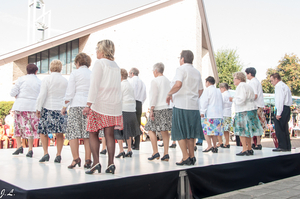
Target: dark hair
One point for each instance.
(83, 59)
(188, 56)
(251, 70)
(31, 68)
(211, 80)
(276, 76)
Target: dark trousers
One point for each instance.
(138, 116)
(282, 129)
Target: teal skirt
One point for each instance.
(247, 124)
(186, 124)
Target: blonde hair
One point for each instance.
(240, 75)
(56, 66)
(124, 73)
(107, 47)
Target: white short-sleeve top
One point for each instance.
(257, 89)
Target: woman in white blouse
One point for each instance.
(131, 127)
(26, 91)
(104, 104)
(160, 119)
(211, 110)
(246, 123)
(76, 98)
(48, 109)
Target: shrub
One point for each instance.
(5, 108)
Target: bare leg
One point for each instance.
(244, 142)
(214, 140)
(226, 135)
(153, 140)
(110, 143)
(44, 139)
(103, 144)
(87, 148)
(166, 138)
(182, 144)
(59, 143)
(24, 142)
(95, 146)
(120, 142)
(248, 141)
(258, 138)
(129, 144)
(191, 145)
(208, 140)
(30, 144)
(19, 142)
(220, 140)
(74, 145)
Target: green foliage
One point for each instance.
(228, 63)
(5, 108)
(266, 84)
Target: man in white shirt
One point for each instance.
(259, 102)
(283, 101)
(140, 97)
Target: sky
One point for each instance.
(262, 31)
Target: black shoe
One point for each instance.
(198, 144)
(122, 154)
(208, 150)
(193, 160)
(125, 147)
(226, 146)
(87, 164)
(173, 146)
(251, 152)
(258, 147)
(111, 169)
(19, 150)
(128, 154)
(243, 153)
(45, 158)
(279, 150)
(253, 145)
(195, 148)
(215, 150)
(57, 159)
(136, 148)
(77, 162)
(29, 154)
(221, 145)
(165, 158)
(103, 152)
(155, 156)
(94, 168)
(185, 162)
(161, 145)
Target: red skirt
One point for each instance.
(97, 121)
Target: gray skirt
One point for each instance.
(76, 127)
(162, 121)
(131, 127)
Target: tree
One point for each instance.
(289, 70)
(228, 63)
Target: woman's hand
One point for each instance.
(63, 110)
(86, 111)
(169, 98)
(202, 115)
(151, 115)
(230, 99)
(38, 114)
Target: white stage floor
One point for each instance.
(29, 174)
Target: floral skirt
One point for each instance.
(97, 121)
(52, 121)
(212, 126)
(76, 127)
(227, 123)
(262, 118)
(247, 124)
(162, 121)
(26, 124)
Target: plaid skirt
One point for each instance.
(97, 121)
(26, 124)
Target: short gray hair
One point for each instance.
(159, 67)
(224, 85)
(240, 75)
(135, 71)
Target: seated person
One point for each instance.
(3, 136)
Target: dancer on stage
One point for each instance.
(104, 104)
(186, 123)
(246, 123)
(26, 91)
(283, 101)
(131, 127)
(160, 119)
(227, 122)
(211, 114)
(48, 109)
(76, 98)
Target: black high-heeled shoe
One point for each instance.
(173, 146)
(19, 150)
(111, 169)
(208, 150)
(226, 146)
(103, 152)
(87, 164)
(94, 168)
(258, 147)
(128, 154)
(155, 156)
(193, 160)
(77, 162)
(215, 150)
(243, 153)
(195, 148)
(57, 159)
(251, 152)
(165, 158)
(184, 162)
(45, 158)
(29, 154)
(122, 154)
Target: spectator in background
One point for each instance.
(9, 120)
(3, 136)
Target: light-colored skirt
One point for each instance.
(247, 124)
(76, 127)
(212, 126)
(26, 124)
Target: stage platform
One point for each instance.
(137, 177)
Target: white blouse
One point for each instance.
(53, 90)
(283, 96)
(244, 98)
(226, 104)
(257, 89)
(128, 101)
(105, 89)
(139, 88)
(78, 87)
(187, 96)
(211, 102)
(26, 90)
(160, 86)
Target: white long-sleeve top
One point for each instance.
(283, 97)
(211, 102)
(160, 86)
(257, 89)
(53, 90)
(226, 104)
(105, 89)
(27, 89)
(188, 94)
(139, 88)
(78, 87)
(128, 100)
(244, 98)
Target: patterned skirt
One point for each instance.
(262, 118)
(97, 121)
(26, 124)
(247, 124)
(76, 127)
(131, 127)
(162, 121)
(212, 126)
(227, 123)
(52, 121)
